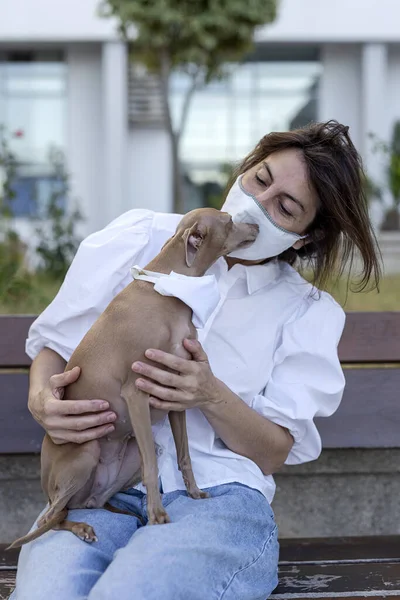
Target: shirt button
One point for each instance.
(159, 450)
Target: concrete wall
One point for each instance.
(342, 71)
(339, 21)
(47, 21)
(84, 130)
(345, 492)
(149, 170)
(299, 20)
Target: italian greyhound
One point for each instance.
(87, 475)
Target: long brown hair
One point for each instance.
(341, 230)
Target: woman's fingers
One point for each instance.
(158, 391)
(160, 375)
(195, 349)
(60, 380)
(81, 422)
(181, 365)
(63, 436)
(54, 407)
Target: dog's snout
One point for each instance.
(254, 229)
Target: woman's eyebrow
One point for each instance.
(292, 198)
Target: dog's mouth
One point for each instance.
(252, 233)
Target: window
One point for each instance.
(227, 118)
(33, 111)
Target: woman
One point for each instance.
(265, 365)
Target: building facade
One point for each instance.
(65, 83)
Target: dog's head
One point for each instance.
(208, 233)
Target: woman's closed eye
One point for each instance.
(260, 181)
(281, 207)
(284, 210)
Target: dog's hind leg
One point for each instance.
(83, 531)
(68, 471)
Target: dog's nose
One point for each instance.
(254, 229)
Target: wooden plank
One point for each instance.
(376, 425)
(13, 333)
(338, 580)
(368, 337)
(340, 548)
(19, 431)
(370, 579)
(371, 337)
(7, 584)
(8, 558)
(369, 414)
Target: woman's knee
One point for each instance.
(60, 565)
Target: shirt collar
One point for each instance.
(257, 276)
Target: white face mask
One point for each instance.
(245, 208)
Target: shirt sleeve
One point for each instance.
(99, 271)
(307, 380)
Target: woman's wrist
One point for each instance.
(221, 397)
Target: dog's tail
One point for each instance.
(52, 522)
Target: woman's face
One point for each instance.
(280, 183)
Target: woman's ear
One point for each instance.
(193, 237)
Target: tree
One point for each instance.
(198, 37)
(391, 150)
(58, 239)
(394, 167)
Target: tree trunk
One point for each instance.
(177, 191)
(177, 180)
(391, 221)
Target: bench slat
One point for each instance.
(20, 433)
(7, 584)
(371, 337)
(372, 580)
(367, 337)
(340, 548)
(369, 414)
(338, 580)
(13, 333)
(377, 425)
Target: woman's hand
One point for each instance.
(192, 385)
(65, 421)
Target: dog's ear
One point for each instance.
(193, 237)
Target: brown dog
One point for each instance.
(87, 475)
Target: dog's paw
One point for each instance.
(157, 516)
(84, 532)
(198, 494)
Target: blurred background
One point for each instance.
(89, 128)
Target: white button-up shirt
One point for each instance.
(272, 340)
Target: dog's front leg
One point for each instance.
(178, 426)
(139, 413)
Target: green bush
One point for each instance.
(57, 232)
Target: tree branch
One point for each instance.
(165, 73)
(188, 99)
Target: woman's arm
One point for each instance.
(64, 420)
(246, 432)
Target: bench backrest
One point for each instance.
(368, 417)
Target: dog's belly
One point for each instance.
(118, 468)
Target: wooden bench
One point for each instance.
(369, 417)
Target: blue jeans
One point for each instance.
(223, 547)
